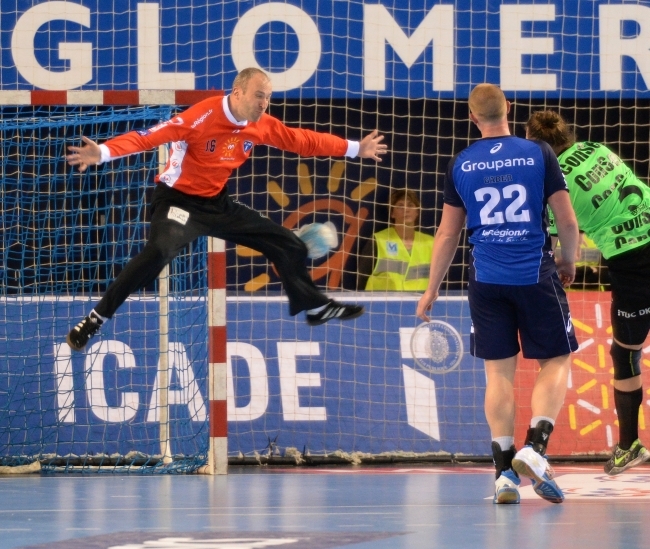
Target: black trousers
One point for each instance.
(177, 219)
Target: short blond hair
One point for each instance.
(487, 103)
(244, 77)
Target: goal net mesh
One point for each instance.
(344, 391)
(65, 236)
(341, 391)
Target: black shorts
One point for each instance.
(177, 219)
(630, 282)
(535, 314)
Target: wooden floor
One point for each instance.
(351, 507)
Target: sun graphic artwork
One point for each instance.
(327, 207)
(587, 422)
(228, 148)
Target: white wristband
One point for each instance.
(105, 154)
(353, 149)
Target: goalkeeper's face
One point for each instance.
(254, 100)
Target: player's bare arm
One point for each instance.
(86, 155)
(567, 231)
(444, 247)
(371, 146)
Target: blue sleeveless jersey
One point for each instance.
(503, 184)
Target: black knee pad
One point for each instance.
(627, 362)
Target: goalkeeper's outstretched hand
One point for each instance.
(371, 146)
(88, 154)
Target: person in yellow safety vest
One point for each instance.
(401, 254)
(591, 272)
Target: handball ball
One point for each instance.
(319, 238)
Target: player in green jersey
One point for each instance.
(613, 209)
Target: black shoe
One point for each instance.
(335, 310)
(82, 332)
(622, 460)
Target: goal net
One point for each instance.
(338, 392)
(356, 391)
(341, 392)
(65, 237)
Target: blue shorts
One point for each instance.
(535, 314)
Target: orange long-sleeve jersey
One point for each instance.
(208, 143)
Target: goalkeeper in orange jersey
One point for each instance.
(208, 141)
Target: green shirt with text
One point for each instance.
(611, 204)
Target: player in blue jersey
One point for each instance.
(500, 187)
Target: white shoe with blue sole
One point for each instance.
(506, 487)
(529, 463)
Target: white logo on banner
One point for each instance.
(419, 391)
(191, 543)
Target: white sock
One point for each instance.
(504, 442)
(317, 309)
(537, 419)
(100, 317)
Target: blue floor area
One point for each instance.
(347, 507)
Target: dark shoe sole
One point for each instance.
(72, 345)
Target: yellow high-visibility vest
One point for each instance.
(589, 253)
(397, 269)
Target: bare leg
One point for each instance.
(550, 386)
(547, 400)
(500, 396)
(500, 413)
